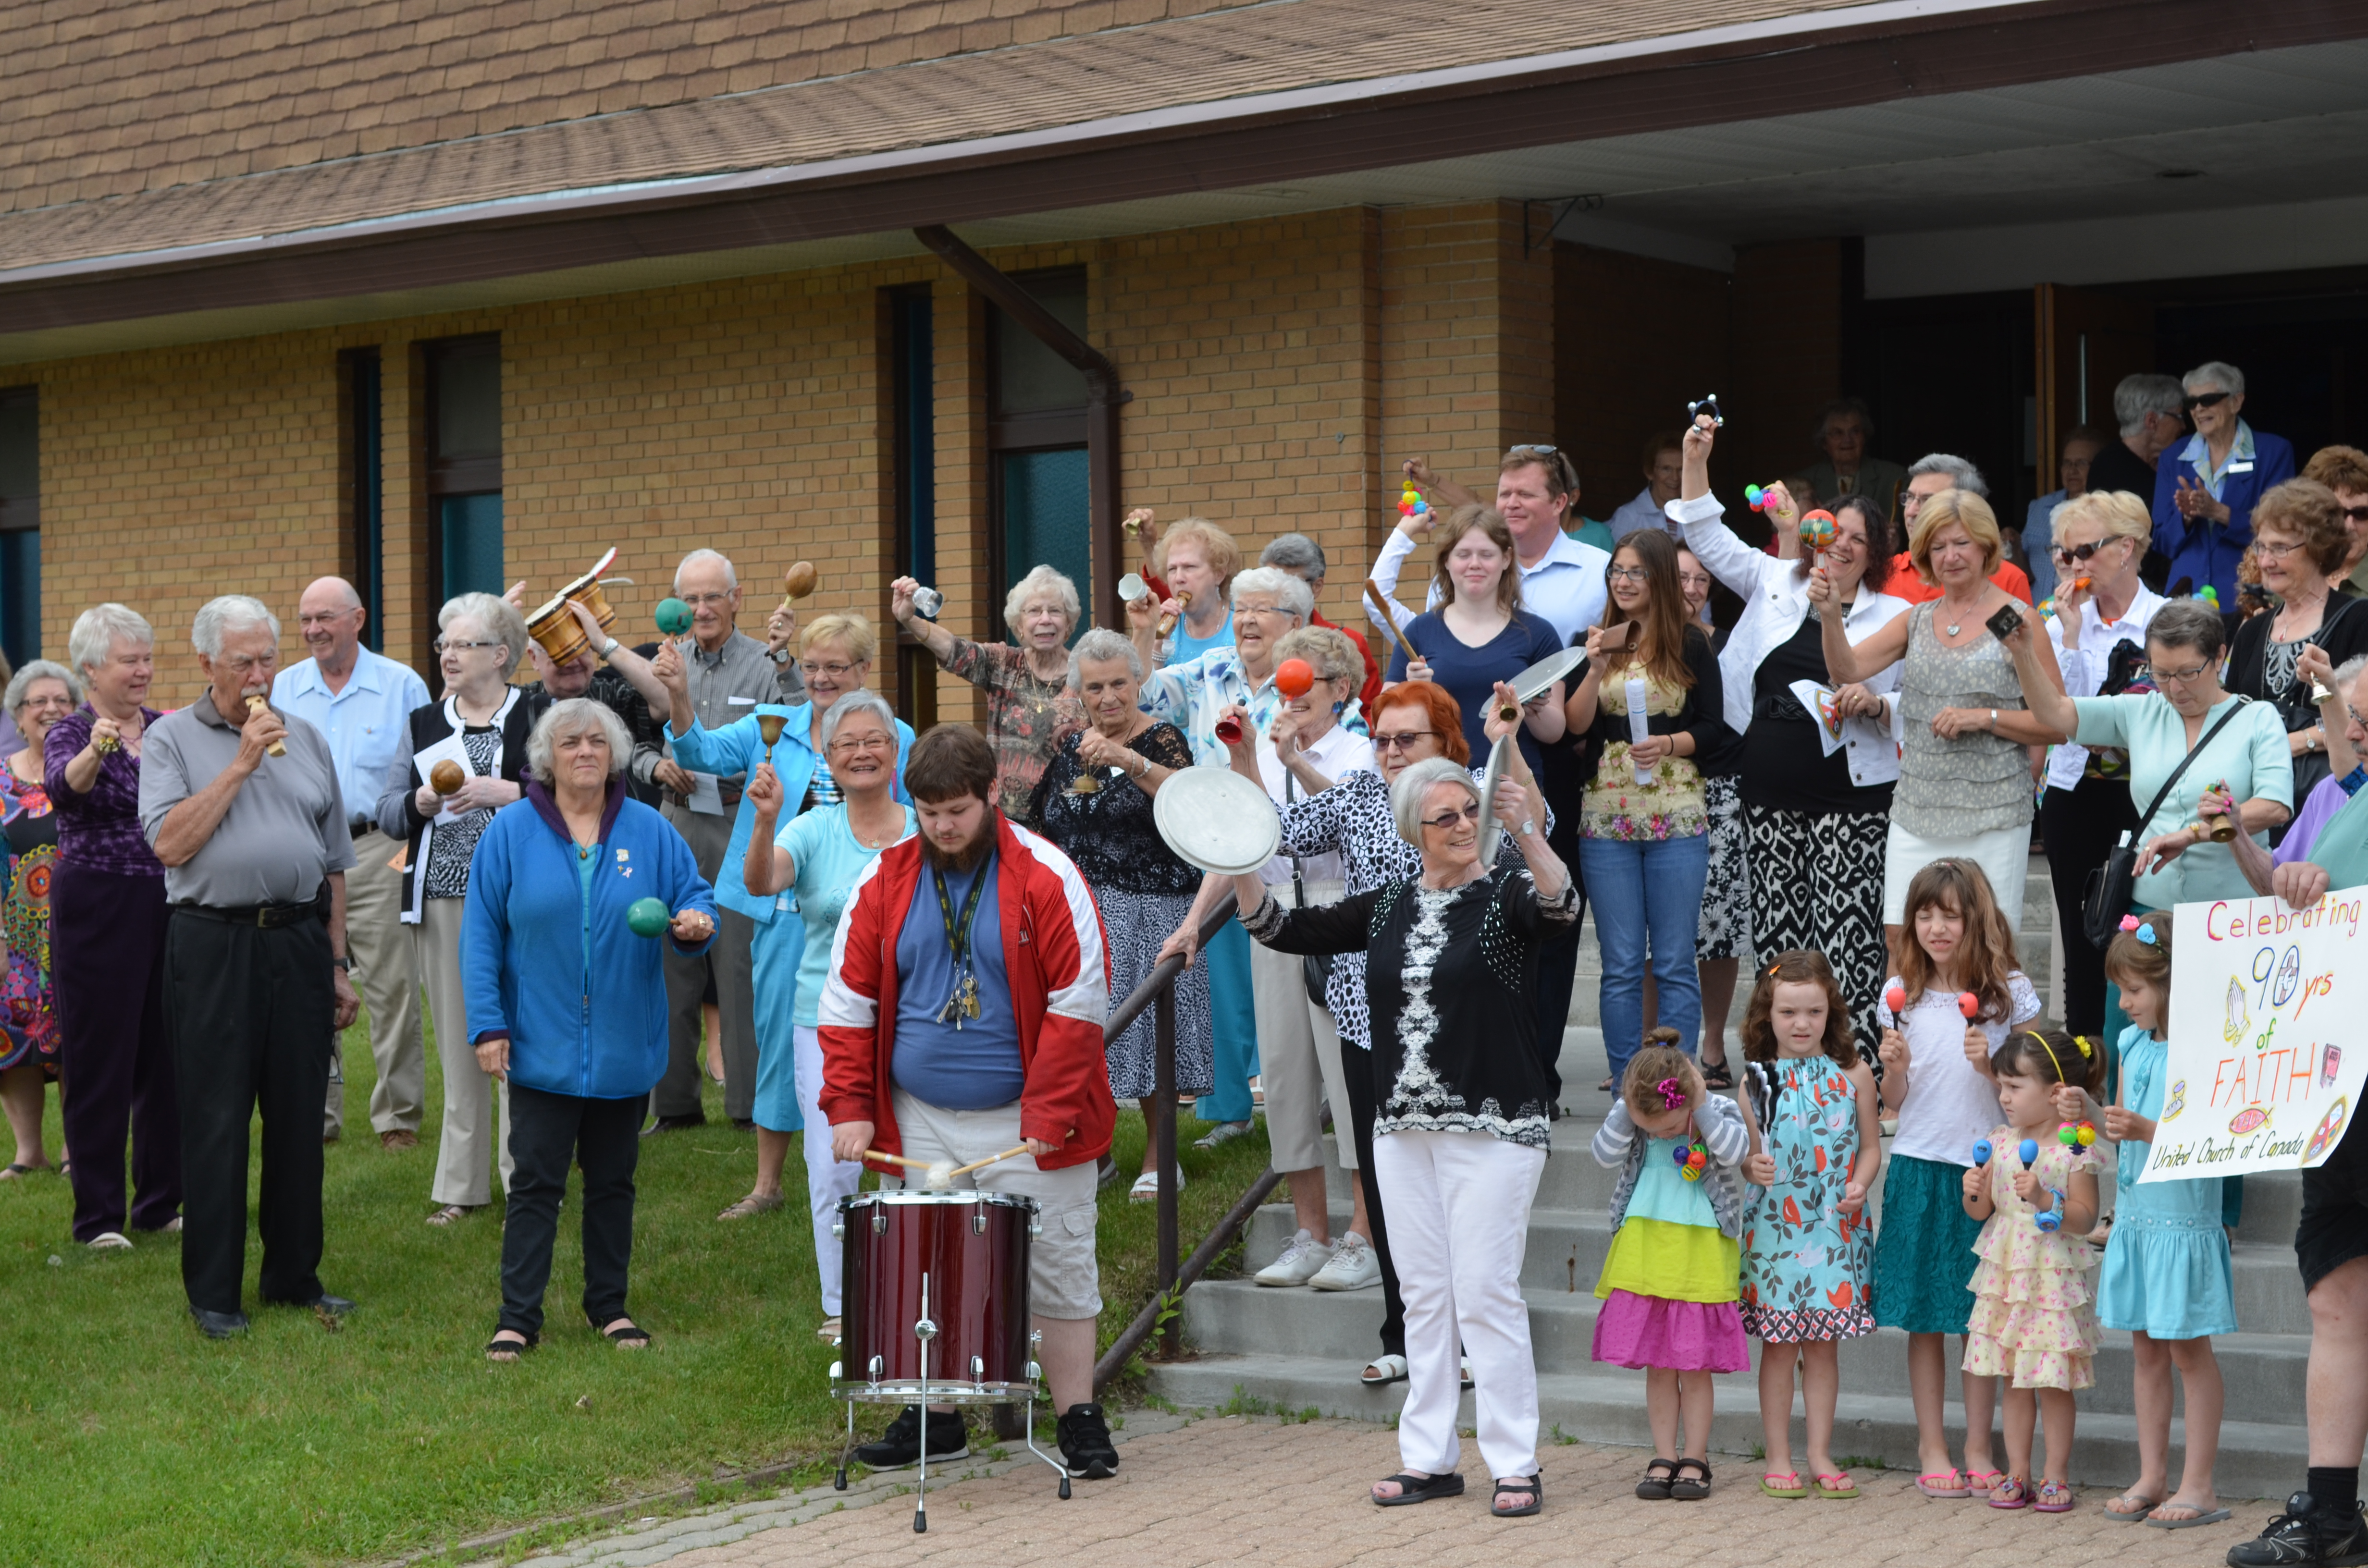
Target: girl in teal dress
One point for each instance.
(2166, 1277)
(1809, 1247)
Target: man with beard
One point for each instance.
(256, 850)
(968, 986)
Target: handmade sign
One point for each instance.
(2268, 1013)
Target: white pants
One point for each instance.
(1063, 1273)
(2003, 854)
(828, 1181)
(1458, 1208)
(1299, 1051)
(476, 1105)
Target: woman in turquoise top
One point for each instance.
(2166, 1277)
(812, 867)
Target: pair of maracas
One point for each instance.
(1292, 677)
(1894, 997)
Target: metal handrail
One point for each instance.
(1158, 992)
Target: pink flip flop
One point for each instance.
(1982, 1483)
(1943, 1483)
(2054, 1498)
(2009, 1493)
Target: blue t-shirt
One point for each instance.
(1186, 646)
(976, 1066)
(828, 859)
(1469, 675)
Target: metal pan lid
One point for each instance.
(1539, 678)
(1215, 819)
(1500, 762)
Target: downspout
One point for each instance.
(1103, 395)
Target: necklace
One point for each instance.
(1953, 630)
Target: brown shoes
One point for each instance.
(398, 1139)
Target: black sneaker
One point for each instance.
(1085, 1443)
(899, 1447)
(2306, 1536)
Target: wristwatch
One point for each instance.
(609, 649)
(779, 655)
(346, 964)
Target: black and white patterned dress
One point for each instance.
(454, 843)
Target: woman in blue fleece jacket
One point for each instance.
(569, 1006)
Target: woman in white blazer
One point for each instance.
(1818, 762)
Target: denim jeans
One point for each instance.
(1647, 899)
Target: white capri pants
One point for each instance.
(1299, 1050)
(474, 1136)
(1458, 1208)
(2003, 854)
(828, 1181)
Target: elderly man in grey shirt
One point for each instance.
(256, 850)
(729, 672)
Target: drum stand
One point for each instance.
(925, 1329)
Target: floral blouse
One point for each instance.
(1026, 716)
(1614, 805)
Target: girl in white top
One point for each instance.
(1957, 995)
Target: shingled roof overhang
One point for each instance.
(1782, 60)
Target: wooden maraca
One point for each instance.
(447, 777)
(1183, 602)
(798, 582)
(258, 703)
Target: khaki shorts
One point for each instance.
(1063, 1277)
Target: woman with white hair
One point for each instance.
(39, 696)
(1029, 705)
(2205, 490)
(107, 941)
(1094, 804)
(480, 731)
(566, 1002)
(1461, 1133)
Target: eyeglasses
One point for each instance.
(1260, 611)
(1404, 741)
(707, 601)
(2203, 400)
(459, 645)
(2082, 552)
(1627, 574)
(2181, 676)
(852, 744)
(1693, 579)
(1525, 450)
(2268, 552)
(2355, 514)
(1449, 819)
(835, 670)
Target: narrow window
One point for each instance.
(464, 467)
(912, 390)
(365, 518)
(1036, 440)
(20, 523)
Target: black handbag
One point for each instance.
(2113, 885)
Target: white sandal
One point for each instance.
(1146, 1187)
(1392, 1368)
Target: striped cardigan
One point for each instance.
(1724, 1138)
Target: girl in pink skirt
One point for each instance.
(1669, 1283)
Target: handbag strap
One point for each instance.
(1298, 887)
(2168, 784)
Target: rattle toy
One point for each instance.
(1691, 1159)
(1294, 678)
(2209, 594)
(1817, 532)
(2076, 1134)
(647, 917)
(1757, 498)
(1708, 403)
(674, 617)
(1969, 1003)
(447, 777)
(1411, 503)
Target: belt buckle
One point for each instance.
(263, 917)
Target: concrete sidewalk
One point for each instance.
(1230, 1489)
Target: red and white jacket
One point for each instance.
(1056, 963)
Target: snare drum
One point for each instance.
(955, 1261)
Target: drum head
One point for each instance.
(1215, 819)
(1540, 677)
(590, 577)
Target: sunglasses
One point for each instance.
(2203, 400)
(1404, 741)
(2355, 514)
(2080, 554)
(1449, 819)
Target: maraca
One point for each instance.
(1183, 601)
(648, 916)
(769, 728)
(674, 617)
(1818, 532)
(1981, 1152)
(799, 580)
(258, 703)
(2029, 1150)
(447, 777)
(1894, 997)
(1969, 1005)
(1294, 679)
(1756, 498)
(1692, 1161)
(2076, 1134)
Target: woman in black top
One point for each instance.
(1094, 802)
(1461, 1133)
(2299, 539)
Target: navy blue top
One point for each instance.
(1469, 675)
(975, 1067)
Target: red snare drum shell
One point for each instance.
(971, 1247)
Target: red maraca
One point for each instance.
(1818, 532)
(1969, 1005)
(1294, 679)
(1894, 997)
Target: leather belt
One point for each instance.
(263, 916)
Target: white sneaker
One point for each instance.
(1300, 1262)
(1354, 1266)
(116, 1241)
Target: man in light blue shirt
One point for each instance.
(362, 703)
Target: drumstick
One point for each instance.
(895, 1160)
(1389, 623)
(991, 1159)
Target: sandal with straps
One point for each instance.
(1415, 1489)
(1659, 1473)
(1684, 1488)
(504, 1351)
(626, 1335)
(1514, 1488)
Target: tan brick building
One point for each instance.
(445, 295)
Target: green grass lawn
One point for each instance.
(131, 1439)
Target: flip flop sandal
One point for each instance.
(2209, 1517)
(2145, 1505)
(501, 1352)
(1846, 1493)
(1392, 1368)
(452, 1213)
(1659, 1473)
(1415, 1489)
(18, 1173)
(1982, 1483)
(2009, 1493)
(1515, 1487)
(1686, 1490)
(2052, 1499)
(1792, 1490)
(1943, 1483)
(829, 1332)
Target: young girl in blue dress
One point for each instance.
(1808, 1249)
(2166, 1277)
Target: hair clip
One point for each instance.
(2082, 1042)
(2145, 933)
(1774, 967)
(2129, 922)
(1673, 1094)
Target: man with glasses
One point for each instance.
(2204, 493)
(361, 703)
(1927, 477)
(617, 677)
(2344, 469)
(256, 853)
(727, 672)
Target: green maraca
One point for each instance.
(648, 916)
(674, 617)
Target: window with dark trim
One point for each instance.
(1037, 493)
(20, 523)
(912, 394)
(464, 467)
(365, 516)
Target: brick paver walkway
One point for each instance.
(1293, 1496)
